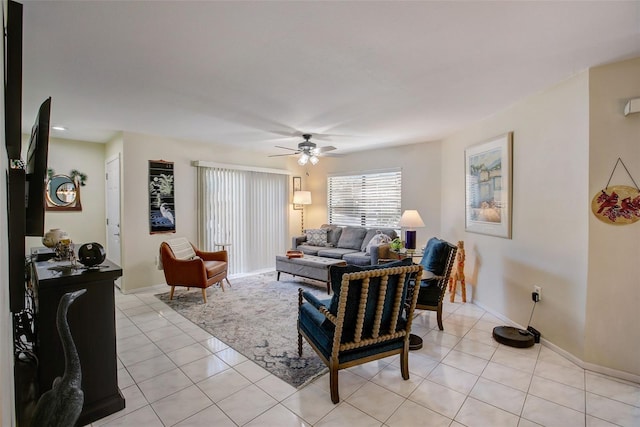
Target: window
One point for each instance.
(368, 199)
(244, 208)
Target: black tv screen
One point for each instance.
(36, 171)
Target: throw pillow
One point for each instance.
(435, 256)
(316, 236)
(181, 248)
(377, 240)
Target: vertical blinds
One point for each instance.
(368, 199)
(246, 209)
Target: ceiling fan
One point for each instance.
(308, 151)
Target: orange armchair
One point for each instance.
(184, 265)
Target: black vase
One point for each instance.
(91, 254)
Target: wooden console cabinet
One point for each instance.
(92, 322)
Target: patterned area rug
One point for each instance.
(256, 316)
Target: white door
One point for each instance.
(113, 211)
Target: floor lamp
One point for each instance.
(411, 220)
(302, 198)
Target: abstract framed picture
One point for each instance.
(297, 186)
(162, 217)
(488, 178)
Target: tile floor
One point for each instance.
(171, 372)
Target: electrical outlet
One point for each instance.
(538, 290)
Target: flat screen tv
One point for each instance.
(36, 171)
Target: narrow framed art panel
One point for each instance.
(297, 186)
(488, 192)
(162, 217)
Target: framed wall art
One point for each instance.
(488, 178)
(162, 217)
(297, 186)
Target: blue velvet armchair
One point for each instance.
(368, 318)
(437, 261)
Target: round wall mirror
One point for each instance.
(62, 192)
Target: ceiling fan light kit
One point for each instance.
(309, 151)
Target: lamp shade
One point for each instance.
(302, 198)
(411, 219)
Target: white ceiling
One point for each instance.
(357, 75)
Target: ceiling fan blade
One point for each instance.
(287, 148)
(280, 155)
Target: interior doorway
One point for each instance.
(114, 249)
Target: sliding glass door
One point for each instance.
(246, 211)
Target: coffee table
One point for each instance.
(309, 266)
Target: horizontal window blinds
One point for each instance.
(369, 199)
(245, 209)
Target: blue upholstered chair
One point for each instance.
(437, 261)
(368, 317)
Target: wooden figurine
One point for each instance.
(458, 274)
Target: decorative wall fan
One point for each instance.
(309, 151)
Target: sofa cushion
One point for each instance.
(351, 238)
(309, 249)
(357, 258)
(333, 234)
(316, 236)
(337, 253)
(435, 256)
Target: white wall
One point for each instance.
(550, 241)
(87, 225)
(140, 247)
(612, 332)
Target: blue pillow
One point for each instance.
(435, 256)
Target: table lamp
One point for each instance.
(302, 198)
(411, 220)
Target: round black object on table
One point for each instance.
(91, 254)
(513, 337)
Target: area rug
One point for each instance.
(256, 316)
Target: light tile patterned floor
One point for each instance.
(171, 372)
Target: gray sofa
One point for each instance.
(347, 243)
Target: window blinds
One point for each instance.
(368, 199)
(246, 209)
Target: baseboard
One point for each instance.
(159, 287)
(592, 366)
(626, 376)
